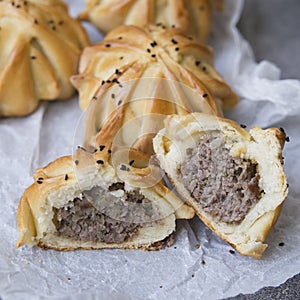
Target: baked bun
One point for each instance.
(233, 178)
(82, 203)
(135, 77)
(40, 45)
(130, 53)
(194, 17)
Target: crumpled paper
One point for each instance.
(182, 271)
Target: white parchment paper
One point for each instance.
(176, 272)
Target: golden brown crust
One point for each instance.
(194, 17)
(40, 49)
(264, 147)
(25, 223)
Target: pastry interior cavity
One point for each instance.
(226, 187)
(99, 215)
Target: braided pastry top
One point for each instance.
(40, 45)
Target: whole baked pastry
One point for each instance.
(194, 17)
(134, 63)
(40, 45)
(233, 178)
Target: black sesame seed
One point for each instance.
(103, 82)
(148, 50)
(153, 44)
(120, 38)
(95, 98)
(33, 57)
(121, 57)
(153, 55)
(243, 125)
(18, 6)
(203, 262)
(282, 130)
(174, 41)
(287, 139)
(117, 72)
(123, 168)
(119, 102)
(177, 49)
(100, 162)
(173, 26)
(36, 21)
(109, 151)
(66, 177)
(101, 147)
(61, 22)
(39, 181)
(231, 251)
(25, 2)
(163, 27)
(40, 178)
(76, 162)
(107, 45)
(131, 162)
(205, 95)
(204, 68)
(197, 62)
(81, 148)
(281, 244)
(287, 185)
(113, 96)
(13, 3)
(108, 81)
(120, 85)
(158, 24)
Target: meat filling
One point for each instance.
(85, 220)
(225, 186)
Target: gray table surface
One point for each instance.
(273, 29)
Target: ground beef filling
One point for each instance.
(225, 186)
(82, 221)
